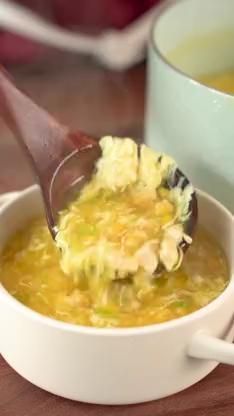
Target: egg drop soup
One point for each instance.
(117, 260)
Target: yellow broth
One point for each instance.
(223, 82)
(30, 271)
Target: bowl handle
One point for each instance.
(208, 347)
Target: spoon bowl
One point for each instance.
(69, 177)
(181, 181)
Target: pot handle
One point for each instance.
(208, 347)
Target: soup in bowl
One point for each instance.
(31, 272)
(108, 364)
(118, 258)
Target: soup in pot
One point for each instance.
(223, 81)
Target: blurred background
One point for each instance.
(77, 89)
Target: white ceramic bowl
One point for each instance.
(116, 366)
(189, 121)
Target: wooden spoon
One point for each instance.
(62, 160)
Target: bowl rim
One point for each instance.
(29, 313)
(160, 10)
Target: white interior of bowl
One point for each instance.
(215, 217)
(196, 36)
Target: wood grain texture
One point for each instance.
(98, 101)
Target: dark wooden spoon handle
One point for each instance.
(46, 142)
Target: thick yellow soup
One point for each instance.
(30, 270)
(117, 259)
(223, 81)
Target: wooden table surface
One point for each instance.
(98, 101)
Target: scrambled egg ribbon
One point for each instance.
(89, 249)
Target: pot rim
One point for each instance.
(7, 298)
